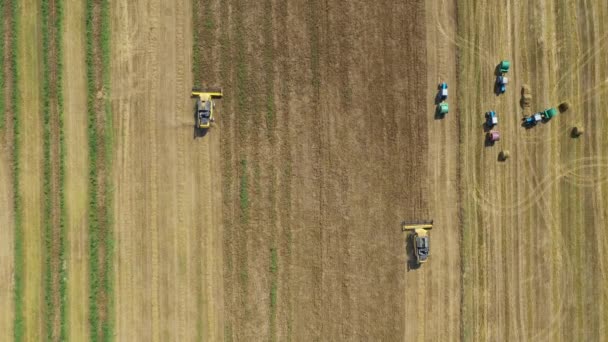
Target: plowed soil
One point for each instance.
(328, 143)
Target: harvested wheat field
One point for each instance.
(119, 220)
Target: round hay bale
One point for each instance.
(504, 155)
(578, 131)
(525, 89)
(564, 106)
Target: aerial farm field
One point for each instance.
(282, 222)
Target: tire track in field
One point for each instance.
(561, 172)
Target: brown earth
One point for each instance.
(534, 243)
(76, 176)
(168, 228)
(326, 105)
(31, 175)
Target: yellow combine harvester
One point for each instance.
(420, 238)
(205, 106)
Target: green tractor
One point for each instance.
(549, 113)
(504, 66)
(442, 109)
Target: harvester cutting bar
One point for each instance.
(412, 225)
(213, 92)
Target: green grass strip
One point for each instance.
(108, 323)
(63, 271)
(19, 325)
(46, 182)
(244, 193)
(93, 200)
(2, 114)
(97, 266)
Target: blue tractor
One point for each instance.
(533, 119)
(501, 78)
(443, 91)
(491, 119)
(501, 83)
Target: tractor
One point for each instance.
(491, 119)
(205, 106)
(501, 79)
(532, 120)
(442, 109)
(420, 239)
(547, 114)
(443, 91)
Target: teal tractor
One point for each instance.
(501, 79)
(535, 118)
(549, 113)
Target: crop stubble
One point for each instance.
(168, 216)
(533, 226)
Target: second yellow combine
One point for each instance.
(205, 106)
(420, 239)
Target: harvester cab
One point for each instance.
(205, 106)
(420, 239)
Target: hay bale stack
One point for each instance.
(526, 96)
(564, 106)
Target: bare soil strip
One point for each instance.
(30, 175)
(76, 173)
(7, 218)
(340, 191)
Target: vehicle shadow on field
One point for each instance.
(409, 253)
